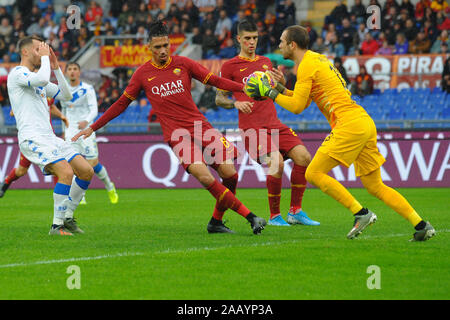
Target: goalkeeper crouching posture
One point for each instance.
(353, 138)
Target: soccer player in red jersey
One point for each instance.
(166, 81)
(258, 117)
(24, 163)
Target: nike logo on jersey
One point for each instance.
(243, 69)
(150, 79)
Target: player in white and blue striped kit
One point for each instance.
(81, 111)
(28, 91)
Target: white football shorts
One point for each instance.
(45, 150)
(87, 147)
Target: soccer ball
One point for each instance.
(258, 75)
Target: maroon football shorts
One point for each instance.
(210, 148)
(260, 142)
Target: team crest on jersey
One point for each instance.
(177, 71)
(78, 94)
(265, 66)
(40, 91)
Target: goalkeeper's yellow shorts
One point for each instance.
(354, 141)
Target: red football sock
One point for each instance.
(226, 199)
(298, 186)
(274, 194)
(231, 184)
(11, 176)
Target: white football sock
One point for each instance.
(60, 202)
(103, 175)
(77, 191)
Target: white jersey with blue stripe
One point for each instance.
(82, 107)
(29, 102)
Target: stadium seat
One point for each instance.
(446, 113)
(431, 114)
(377, 114)
(410, 111)
(9, 121)
(438, 100)
(390, 91)
(406, 90)
(436, 90)
(395, 114)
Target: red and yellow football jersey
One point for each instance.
(168, 89)
(264, 114)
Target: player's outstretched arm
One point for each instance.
(223, 101)
(298, 101)
(84, 133)
(116, 108)
(62, 90)
(203, 75)
(130, 94)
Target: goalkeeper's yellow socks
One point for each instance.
(316, 174)
(335, 190)
(375, 186)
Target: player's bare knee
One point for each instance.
(226, 170)
(307, 159)
(276, 169)
(64, 174)
(303, 159)
(93, 162)
(205, 180)
(21, 171)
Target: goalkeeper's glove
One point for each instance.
(280, 88)
(261, 88)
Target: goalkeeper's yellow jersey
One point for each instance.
(319, 81)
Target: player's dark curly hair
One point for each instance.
(246, 25)
(157, 29)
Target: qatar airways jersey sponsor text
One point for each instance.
(168, 88)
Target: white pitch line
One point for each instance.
(106, 256)
(192, 249)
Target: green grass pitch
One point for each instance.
(154, 245)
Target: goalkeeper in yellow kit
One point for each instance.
(353, 138)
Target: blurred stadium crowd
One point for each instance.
(405, 28)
